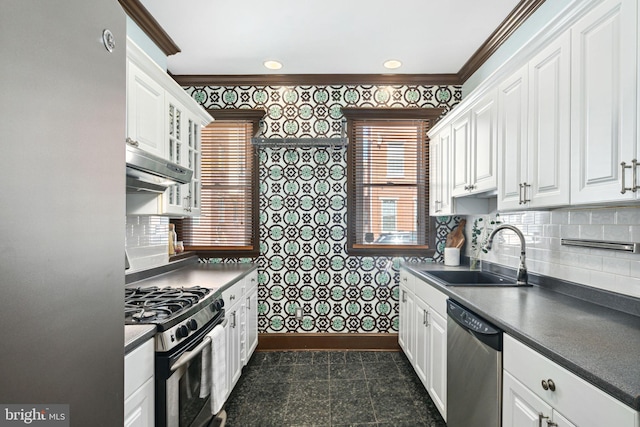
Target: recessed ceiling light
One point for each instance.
(392, 64)
(272, 65)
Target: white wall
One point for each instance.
(605, 269)
(146, 44)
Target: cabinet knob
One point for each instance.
(548, 385)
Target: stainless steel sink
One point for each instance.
(470, 278)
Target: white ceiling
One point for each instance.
(326, 36)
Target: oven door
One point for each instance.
(187, 401)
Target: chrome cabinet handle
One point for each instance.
(541, 417)
(248, 303)
(520, 185)
(132, 142)
(404, 296)
(233, 316)
(634, 175)
(425, 320)
(524, 199)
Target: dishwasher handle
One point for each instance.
(482, 330)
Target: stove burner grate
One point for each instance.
(145, 305)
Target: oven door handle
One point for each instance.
(186, 358)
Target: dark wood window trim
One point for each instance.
(253, 115)
(354, 114)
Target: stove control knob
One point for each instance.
(217, 305)
(182, 332)
(192, 324)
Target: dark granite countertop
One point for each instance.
(135, 335)
(216, 277)
(599, 344)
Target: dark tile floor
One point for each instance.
(320, 388)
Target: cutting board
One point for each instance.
(455, 239)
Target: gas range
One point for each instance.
(177, 312)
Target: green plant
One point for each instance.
(480, 234)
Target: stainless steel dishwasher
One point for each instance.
(474, 369)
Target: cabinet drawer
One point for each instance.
(233, 294)
(407, 280)
(574, 398)
(138, 367)
(436, 299)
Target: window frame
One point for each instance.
(254, 116)
(430, 115)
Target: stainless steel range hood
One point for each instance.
(147, 172)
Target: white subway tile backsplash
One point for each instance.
(560, 217)
(579, 217)
(617, 233)
(570, 231)
(146, 241)
(628, 286)
(605, 269)
(603, 216)
(616, 266)
(542, 217)
(629, 216)
(591, 232)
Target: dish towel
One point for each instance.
(218, 368)
(205, 373)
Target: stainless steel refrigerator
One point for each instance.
(62, 207)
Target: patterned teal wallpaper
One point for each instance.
(303, 262)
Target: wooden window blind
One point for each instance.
(228, 224)
(387, 187)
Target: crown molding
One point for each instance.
(139, 14)
(147, 23)
(511, 23)
(315, 79)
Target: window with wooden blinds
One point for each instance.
(387, 187)
(228, 224)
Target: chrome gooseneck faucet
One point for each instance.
(522, 276)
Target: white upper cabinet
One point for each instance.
(460, 155)
(483, 151)
(604, 46)
(164, 120)
(473, 148)
(512, 136)
(145, 110)
(439, 181)
(534, 131)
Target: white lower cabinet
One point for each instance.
(234, 309)
(139, 386)
(407, 308)
(537, 392)
(241, 330)
(423, 335)
(251, 317)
